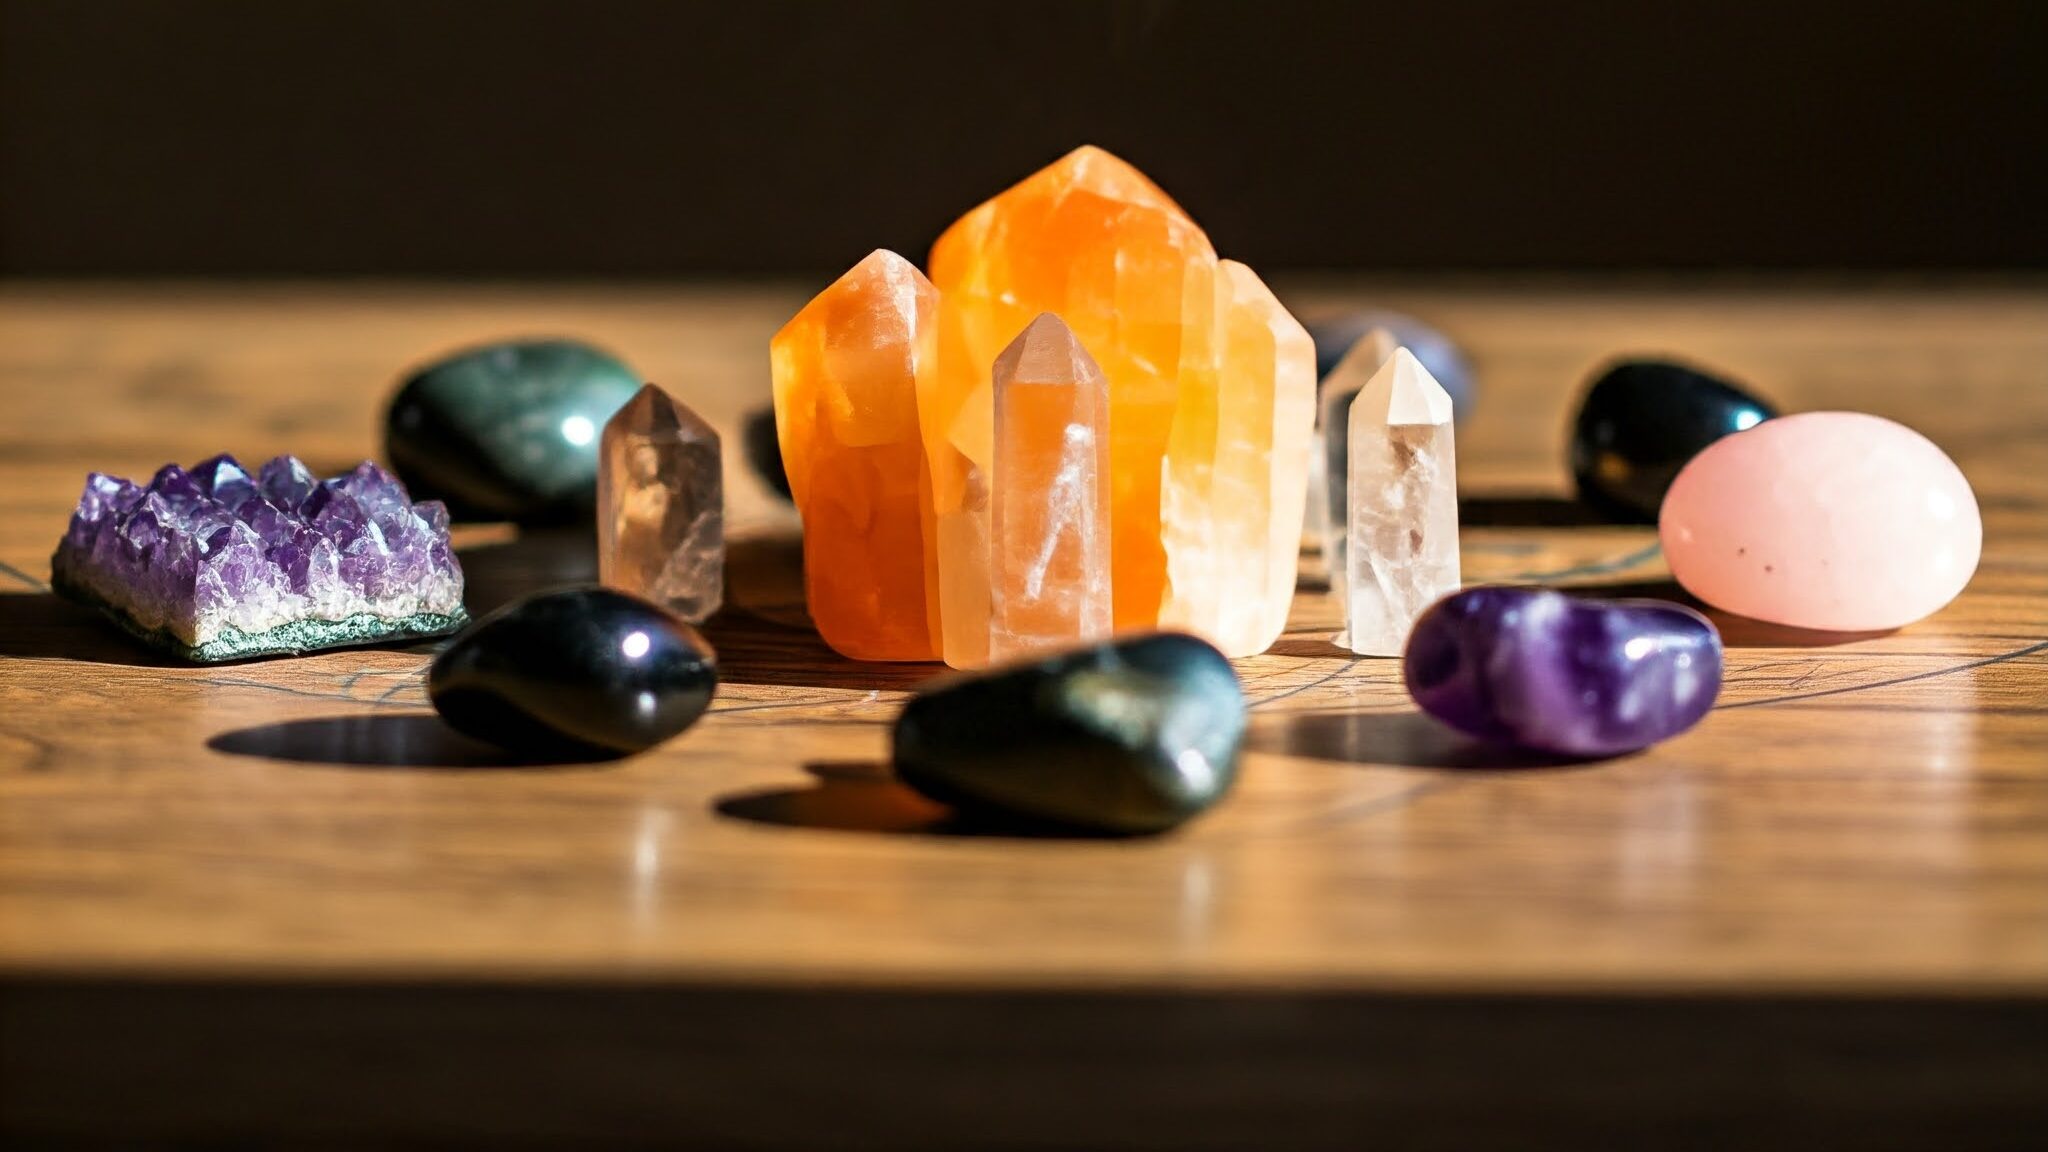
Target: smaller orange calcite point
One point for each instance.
(1236, 473)
(661, 506)
(1049, 555)
(847, 371)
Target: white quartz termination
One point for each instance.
(1329, 475)
(1402, 551)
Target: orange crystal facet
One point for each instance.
(1241, 440)
(1049, 554)
(848, 370)
(1090, 239)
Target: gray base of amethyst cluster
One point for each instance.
(296, 638)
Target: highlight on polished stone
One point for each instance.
(216, 564)
(1131, 737)
(1091, 240)
(661, 506)
(1049, 551)
(588, 672)
(1402, 548)
(508, 431)
(1535, 669)
(1330, 466)
(849, 370)
(1641, 420)
(1839, 521)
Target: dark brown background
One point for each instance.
(608, 137)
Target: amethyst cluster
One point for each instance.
(216, 564)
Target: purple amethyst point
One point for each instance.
(214, 564)
(1536, 669)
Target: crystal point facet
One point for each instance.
(1091, 239)
(1049, 517)
(1402, 551)
(1334, 397)
(850, 372)
(214, 564)
(1235, 479)
(661, 506)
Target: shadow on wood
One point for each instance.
(752, 650)
(45, 626)
(376, 740)
(499, 572)
(863, 796)
(1742, 632)
(1402, 739)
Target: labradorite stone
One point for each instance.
(508, 431)
(1642, 421)
(584, 671)
(1130, 737)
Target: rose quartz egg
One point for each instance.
(1832, 520)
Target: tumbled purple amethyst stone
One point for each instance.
(1536, 669)
(216, 564)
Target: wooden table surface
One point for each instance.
(1862, 820)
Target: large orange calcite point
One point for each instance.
(1049, 552)
(1090, 239)
(848, 370)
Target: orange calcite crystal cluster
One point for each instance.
(1163, 411)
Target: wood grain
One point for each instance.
(1861, 816)
(1863, 813)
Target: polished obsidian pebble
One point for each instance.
(1535, 669)
(1640, 422)
(1129, 737)
(764, 452)
(587, 671)
(1334, 336)
(508, 431)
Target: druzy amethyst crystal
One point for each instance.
(215, 564)
(1536, 669)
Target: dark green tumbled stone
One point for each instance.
(1640, 422)
(508, 431)
(584, 671)
(1129, 737)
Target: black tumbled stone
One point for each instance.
(1640, 422)
(1134, 736)
(588, 671)
(508, 431)
(763, 448)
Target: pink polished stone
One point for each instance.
(1832, 520)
